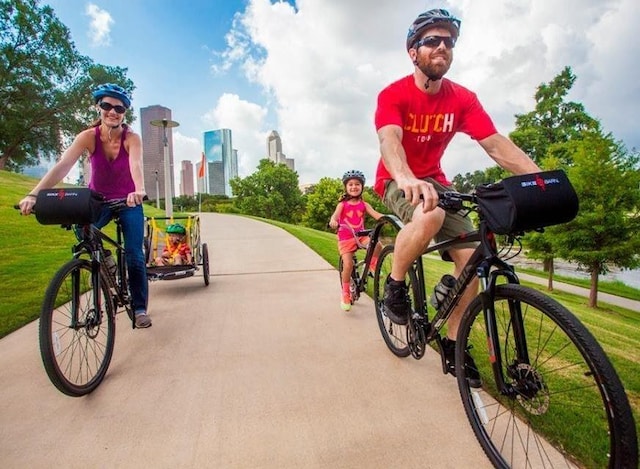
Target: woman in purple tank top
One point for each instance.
(115, 153)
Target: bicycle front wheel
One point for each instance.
(562, 405)
(394, 335)
(76, 340)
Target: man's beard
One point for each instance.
(434, 72)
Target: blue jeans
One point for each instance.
(132, 222)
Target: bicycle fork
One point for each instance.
(516, 323)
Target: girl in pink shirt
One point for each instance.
(348, 217)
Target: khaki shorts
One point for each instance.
(454, 223)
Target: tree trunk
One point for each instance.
(3, 161)
(593, 291)
(550, 269)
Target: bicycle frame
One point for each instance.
(92, 241)
(374, 238)
(488, 267)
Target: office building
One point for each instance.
(153, 151)
(221, 163)
(274, 151)
(186, 178)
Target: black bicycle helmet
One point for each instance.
(429, 19)
(353, 174)
(113, 91)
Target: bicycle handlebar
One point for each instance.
(114, 204)
(453, 200)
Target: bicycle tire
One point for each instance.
(568, 408)
(205, 263)
(76, 358)
(356, 273)
(394, 335)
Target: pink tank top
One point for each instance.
(112, 179)
(352, 215)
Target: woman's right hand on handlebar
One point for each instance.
(26, 204)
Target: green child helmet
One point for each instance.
(176, 228)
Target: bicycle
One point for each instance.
(77, 318)
(543, 375)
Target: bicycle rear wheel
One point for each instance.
(394, 335)
(205, 263)
(563, 407)
(76, 343)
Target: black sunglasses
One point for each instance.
(435, 41)
(107, 107)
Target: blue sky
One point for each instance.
(312, 69)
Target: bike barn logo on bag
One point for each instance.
(61, 194)
(541, 183)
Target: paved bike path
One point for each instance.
(260, 369)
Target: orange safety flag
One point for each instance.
(201, 170)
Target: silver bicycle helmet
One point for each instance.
(113, 91)
(429, 19)
(353, 174)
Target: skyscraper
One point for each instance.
(153, 150)
(186, 178)
(274, 150)
(221, 163)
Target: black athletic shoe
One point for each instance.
(449, 349)
(396, 301)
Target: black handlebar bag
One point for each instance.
(527, 202)
(68, 206)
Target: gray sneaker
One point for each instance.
(143, 320)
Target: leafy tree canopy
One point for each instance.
(321, 202)
(271, 192)
(45, 85)
(554, 120)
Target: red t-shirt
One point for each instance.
(429, 122)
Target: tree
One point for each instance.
(542, 134)
(605, 232)
(271, 192)
(45, 84)
(553, 120)
(321, 202)
(469, 181)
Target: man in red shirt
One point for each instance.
(416, 118)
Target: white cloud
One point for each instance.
(100, 25)
(321, 65)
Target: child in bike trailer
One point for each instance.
(176, 251)
(348, 217)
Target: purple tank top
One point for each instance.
(112, 179)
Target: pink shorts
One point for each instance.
(349, 245)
